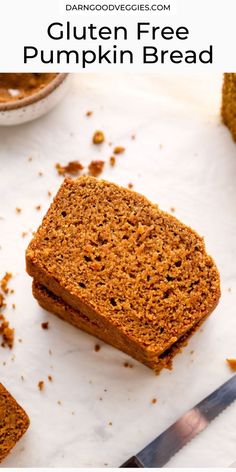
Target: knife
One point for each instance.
(160, 451)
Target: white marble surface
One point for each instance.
(182, 157)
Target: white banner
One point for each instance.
(117, 35)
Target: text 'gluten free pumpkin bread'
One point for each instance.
(13, 422)
(110, 254)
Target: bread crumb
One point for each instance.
(24, 234)
(110, 423)
(45, 325)
(232, 364)
(130, 185)
(22, 378)
(2, 304)
(229, 289)
(49, 193)
(133, 137)
(40, 174)
(38, 207)
(97, 347)
(50, 378)
(172, 209)
(128, 364)
(95, 168)
(30, 158)
(89, 113)
(154, 400)
(18, 210)
(98, 137)
(7, 333)
(41, 385)
(59, 402)
(119, 150)
(4, 282)
(112, 161)
(13, 306)
(72, 168)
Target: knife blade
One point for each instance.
(160, 451)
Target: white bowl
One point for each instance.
(37, 104)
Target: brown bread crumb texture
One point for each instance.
(228, 110)
(13, 422)
(109, 253)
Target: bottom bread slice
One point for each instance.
(57, 306)
(13, 422)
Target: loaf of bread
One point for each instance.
(228, 109)
(13, 422)
(110, 254)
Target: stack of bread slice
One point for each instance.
(108, 261)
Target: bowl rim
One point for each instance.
(35, 97)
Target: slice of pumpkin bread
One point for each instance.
(228, 109)
(56, 305)
(13, 422)
(111, 254)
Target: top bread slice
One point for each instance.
(110, 253)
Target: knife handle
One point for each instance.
(132, 462)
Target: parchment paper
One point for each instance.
(182, 157)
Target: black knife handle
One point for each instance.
(132, 462)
